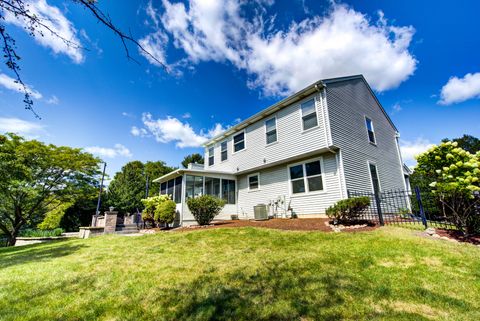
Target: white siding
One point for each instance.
(274, 182)
(348, 104)
(291, 140)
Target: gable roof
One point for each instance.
(316, 86)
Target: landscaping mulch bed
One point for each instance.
(301, 224)
(458, 236)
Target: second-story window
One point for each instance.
(370, 130)
(224, 151)
(239, 142)
(211, 156)
(271, 130)
(309, 114)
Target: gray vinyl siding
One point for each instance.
(291, 140)
(348, 104)
(274, 183)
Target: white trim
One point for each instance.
(341, 174)
(299, 104)
(248, 182)
(373, 130)
(369, 162)
(323, 96)
(276, 130)
(305, 177)
(244, 141)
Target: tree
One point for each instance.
(128, 186)
(35, 176)
(468, 143)
(37, 25)
(193, 158)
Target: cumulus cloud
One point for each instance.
(55, 20)
(170, 129)
(279, 62)
(138, 132)
(117, 151)
(410, 149)
(11, 84)
(20, 127)
(53, 100)
(457, 89)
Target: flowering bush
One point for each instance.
(455, 176)
(158, 209)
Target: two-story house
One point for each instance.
(299, 155)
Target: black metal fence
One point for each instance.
(404, 207)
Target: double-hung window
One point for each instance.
(271, 130)
(224, 151)
(254, 182)
(239, 142)
(309, 114)
(374, 177)
(306, 177)
(211, 155)
(370, 130)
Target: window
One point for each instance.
(170, 185)
(228, 191)
(306, 177)
(224, 151)
(271, 130)
(370, 130)
(239, 142)
(194, 186)
(212, 186)
(163, 188)
(253, 182)
(374, 177)
(211, 156)
(178, 190)
(309, 114)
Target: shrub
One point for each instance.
(41, 233)
(205, 208)
(165, 212)
(152, 204)
(348, 209)
(56, 210)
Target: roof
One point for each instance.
(316, 86)
(407, 170)
(181, 171)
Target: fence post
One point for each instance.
(379, 209)
(420, 206)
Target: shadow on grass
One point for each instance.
(36, 252)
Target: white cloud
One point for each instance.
(170, 129)
(412, 148)
(187, 116)
(117, 151)
(52, 17)
(343, 42)
(138, 132)
(154, 43)
(20, 127)
(10, 84)
(457, 89)
(397, 107)
(53, 100)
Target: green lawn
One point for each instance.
(243, 274)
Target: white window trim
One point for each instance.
(208, 160)
(225, 141)
(244, 142)
(248, 182)
(276, 130)
(301, 113)
(370, 176)
(322, 175)
(373, 130)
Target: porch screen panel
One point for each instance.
(170, 186)
(178, 190)
(212, 186)
(228, 191)
(163, 188)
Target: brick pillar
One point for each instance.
(110, 222)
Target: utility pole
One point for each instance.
(97, 212)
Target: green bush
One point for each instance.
(56, 210)
(41, 233)
(165, 212)
(348, 209)
(205, 208)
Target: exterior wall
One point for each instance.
(274, 183)
(291, 139)
(348, 104)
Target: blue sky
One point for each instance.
(228, 60)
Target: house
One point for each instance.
(299, 156)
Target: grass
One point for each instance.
(243, 274)
(41, 233)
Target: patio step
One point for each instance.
(124, 229)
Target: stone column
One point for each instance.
(110, 222)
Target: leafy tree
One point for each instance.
(37, 25)
(468, 143)
(34, 176)
(56, 210)
(128, 186)
(193, 158)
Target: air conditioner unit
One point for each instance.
(260, 212)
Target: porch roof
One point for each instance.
(181, 171)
